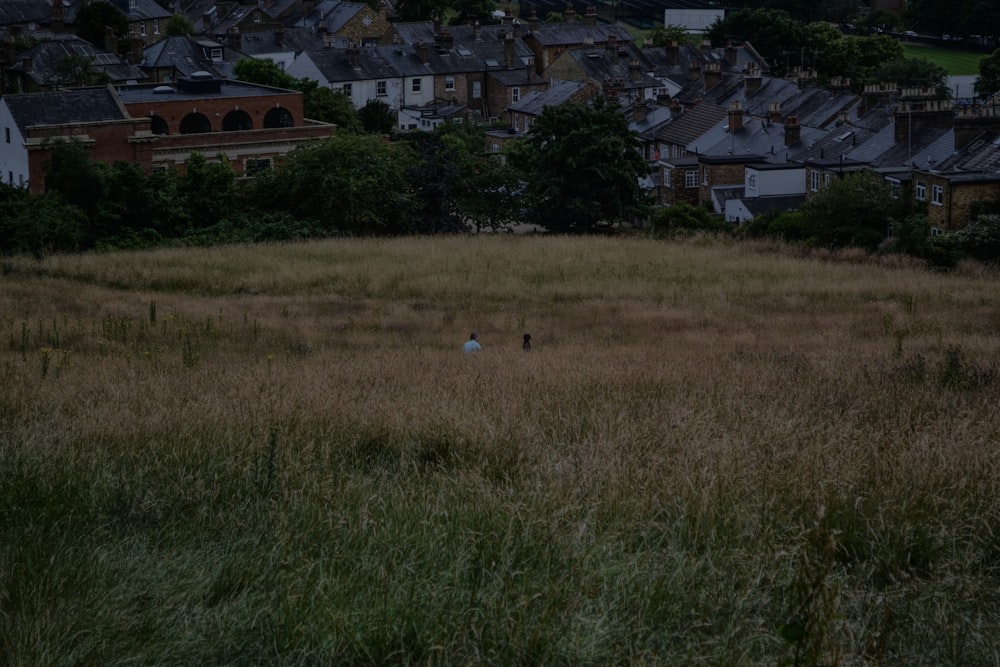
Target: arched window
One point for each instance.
(195, 123)
(158, 125)
(278, 117)
(236, 121)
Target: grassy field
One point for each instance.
(714, 455)
(956, 62)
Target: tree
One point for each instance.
(988, 81)
(581, 167)
(207, 193)
(95, 18)
(776, 36)
(861, 57)
(346, 184)
(854, 210)
(329, 106)
(37, 224)
(684, 218)
(661, 36)
(468, 11)
(911, 72)
(77, 70)
(71, 174)
(421, 10)
(178, 25)
(377, 117)
(263, 71)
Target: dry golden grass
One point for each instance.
(705, 443)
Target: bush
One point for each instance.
(684, 219)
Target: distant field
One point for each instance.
(714, 454)
(956, 62)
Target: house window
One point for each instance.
(496, 148)
(752, 181)
(676, 151)
(254, 166)
(142, 28)
(814, 181)
(691, 178)
(449, 83)
(7, 132)
(416, 86)
(131, 4)
(826, 179)
(216, 55)
(515, 94)
(156, 26)
(256, 18)
(937, 195)
(666, 177)
(477, 89)
(704, 175)
(380, 88)
(936, 231)
(527, 122)
(131, 29)
(921, 191)
(894, 189)
(517, 122)
(347, 89)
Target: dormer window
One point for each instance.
(131, 4)
(256, 18)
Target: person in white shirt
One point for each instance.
(472, 345)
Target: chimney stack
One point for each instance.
(509, 50)
(751, 78)
(639, 111)
(731, 54)
(110, 43)
(792, 131)
(570, 14)
(57, 17)
(421, 49)
(612, 49)
(634, 71)
(713, 75)
(353, 55)
(591, 15)
(279, 36)
(476, 31)
(673, 52)
(694, 70)
(774, 112)
(735, 116)
(675, 108)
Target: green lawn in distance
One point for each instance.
(956, 62)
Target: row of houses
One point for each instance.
(717, 129)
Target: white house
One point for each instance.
(13, 153)
(767, 187)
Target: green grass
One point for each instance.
(955, 62)
(714, 454)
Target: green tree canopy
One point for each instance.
(853, 210)
(95, 18)
(776, 36)
(346, 184)
(377, 117)
(581, 167)
(178, 24)
(910, 72)
(320, 103)
(264, 71)
(988, 81)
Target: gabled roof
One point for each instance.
(558, 93)
(691, 124)
(760, 205)
(570, 34)
(341, 14)
(140, 10)
(77, 105)
(24, 11)
(45, 59)
(293, 40)
(755, 137)
(982, 154)
(182, 52)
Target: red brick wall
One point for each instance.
(107, 142)
(215, 109)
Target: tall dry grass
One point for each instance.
(713, 455)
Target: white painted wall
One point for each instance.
(774, 182)
(13, 154)
(693, 20)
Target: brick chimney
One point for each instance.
(774, 112)
(916, 115)
(971, 122)
(569, 15)
(694, 70)
(792, 131)
(673, 53)
(713, 75)
(421, 48)
(509, 50)
(751, 78)
(515, 28)
(675, 108)
(612, 49)
(734, 116)
(634, 71)
(57, 17)
(279, 36)
(590, 17)
(731, 54)
(639, 111)
(477, 31)
(110, 41)
(353, 55)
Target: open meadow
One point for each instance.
(714, 454)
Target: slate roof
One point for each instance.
(182, 52)
(294, 40)
(982, 154)
(142, 11)
(24, 11)
(77, 105)
(340, 15)
(655, 117)
(46, 56)
(691, 124)
(317, 15)
(755, 137)
(569, 34)
(558, 93)
(384, 62)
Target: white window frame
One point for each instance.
(691, 178)
(517, 122)
(515, 94)
(156, 26)
(704, 175)
(449, 84)
(347, 89)
(666, 177)
(920, 191)
(477, 90)
(142, 28)
(381, 88)
(937, 195)
(415, 85)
